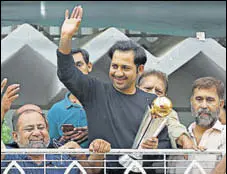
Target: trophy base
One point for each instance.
(127, 160)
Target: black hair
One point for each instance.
(16, 116)
(140, 56)
(84, 53)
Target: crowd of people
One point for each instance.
(101, 116)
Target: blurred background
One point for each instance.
(185, 39)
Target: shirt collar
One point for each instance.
(217, 126)
(68, 103)
(190, 128)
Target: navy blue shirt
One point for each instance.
(52, 160)
(111, 115)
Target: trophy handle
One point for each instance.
(163, 124)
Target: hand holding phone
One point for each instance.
(67, 128)
(77, 134)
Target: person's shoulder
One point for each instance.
(146, 94)
(173, 114)
(58, 105)
(12, 145)
(224, 131)
(14, 156)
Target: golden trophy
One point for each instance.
(150, 127)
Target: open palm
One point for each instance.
(9, 97)
(71, 25)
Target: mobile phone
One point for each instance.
(67, 127)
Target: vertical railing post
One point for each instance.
(44, 162)
(104, 163)
(164, 163)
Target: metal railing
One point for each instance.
(167, 161)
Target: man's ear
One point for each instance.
(90, 66)
(191, 99)
(222, 103)
(140, 69)
(15, 136)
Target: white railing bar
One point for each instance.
(114, 151)
(115, 160)
(55, 167)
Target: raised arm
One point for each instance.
(69, 28)
(8, 97)
(3, 84)
(80, 85)
(221, 167)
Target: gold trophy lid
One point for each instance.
(161, 106)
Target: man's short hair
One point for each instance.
(17, 115)
(140, 55)
(84, 53)
(161, 75)
(209, 82)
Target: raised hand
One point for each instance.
(3, 84)
(72, 23)
(9, 96)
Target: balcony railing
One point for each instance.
(167, 161)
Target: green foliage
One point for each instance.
(6, 137)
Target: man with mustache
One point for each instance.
(207, 131)
(30, 130)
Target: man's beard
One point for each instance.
(205, 121)
(34, 144)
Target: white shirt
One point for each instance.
(212, 139)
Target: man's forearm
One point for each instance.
(96, 161)
(2, 116)
(3, 147)
(65, 44)
(221, 167)
(176, 130)
(184, 140)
